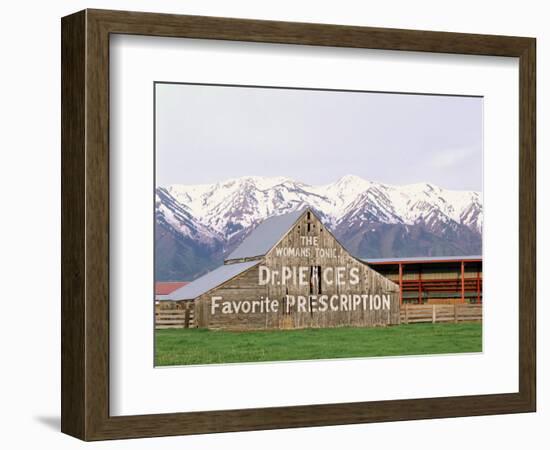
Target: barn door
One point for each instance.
(291, 317)
(314, 291)
(286, 316)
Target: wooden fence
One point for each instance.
(180, 316)
(183, 315)
(440, 313)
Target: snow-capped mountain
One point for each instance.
(370, 219)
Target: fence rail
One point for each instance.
(179, 317)
(440, 313)
(183, 316)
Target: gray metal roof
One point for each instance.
(265, 236)
(421, 259)
(208, 281)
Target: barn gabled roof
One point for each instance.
(208, 281)
(265, 236)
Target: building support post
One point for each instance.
(477, 287)
(462, 282)
(400, 283)
(419, 285)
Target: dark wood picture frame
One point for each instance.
(85, 224)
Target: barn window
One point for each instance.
(315, 279)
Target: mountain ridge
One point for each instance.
(370, 219)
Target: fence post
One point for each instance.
(433, 313)
(456, 313)
(186, 320)
(406, 313)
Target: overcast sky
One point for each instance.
(206, 134)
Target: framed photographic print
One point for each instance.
(272, 225)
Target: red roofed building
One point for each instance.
(167, 287)
(435, 280)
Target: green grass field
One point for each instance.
(199, 346)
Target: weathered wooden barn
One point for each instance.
(290, 272)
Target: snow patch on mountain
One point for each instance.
(228, 207)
